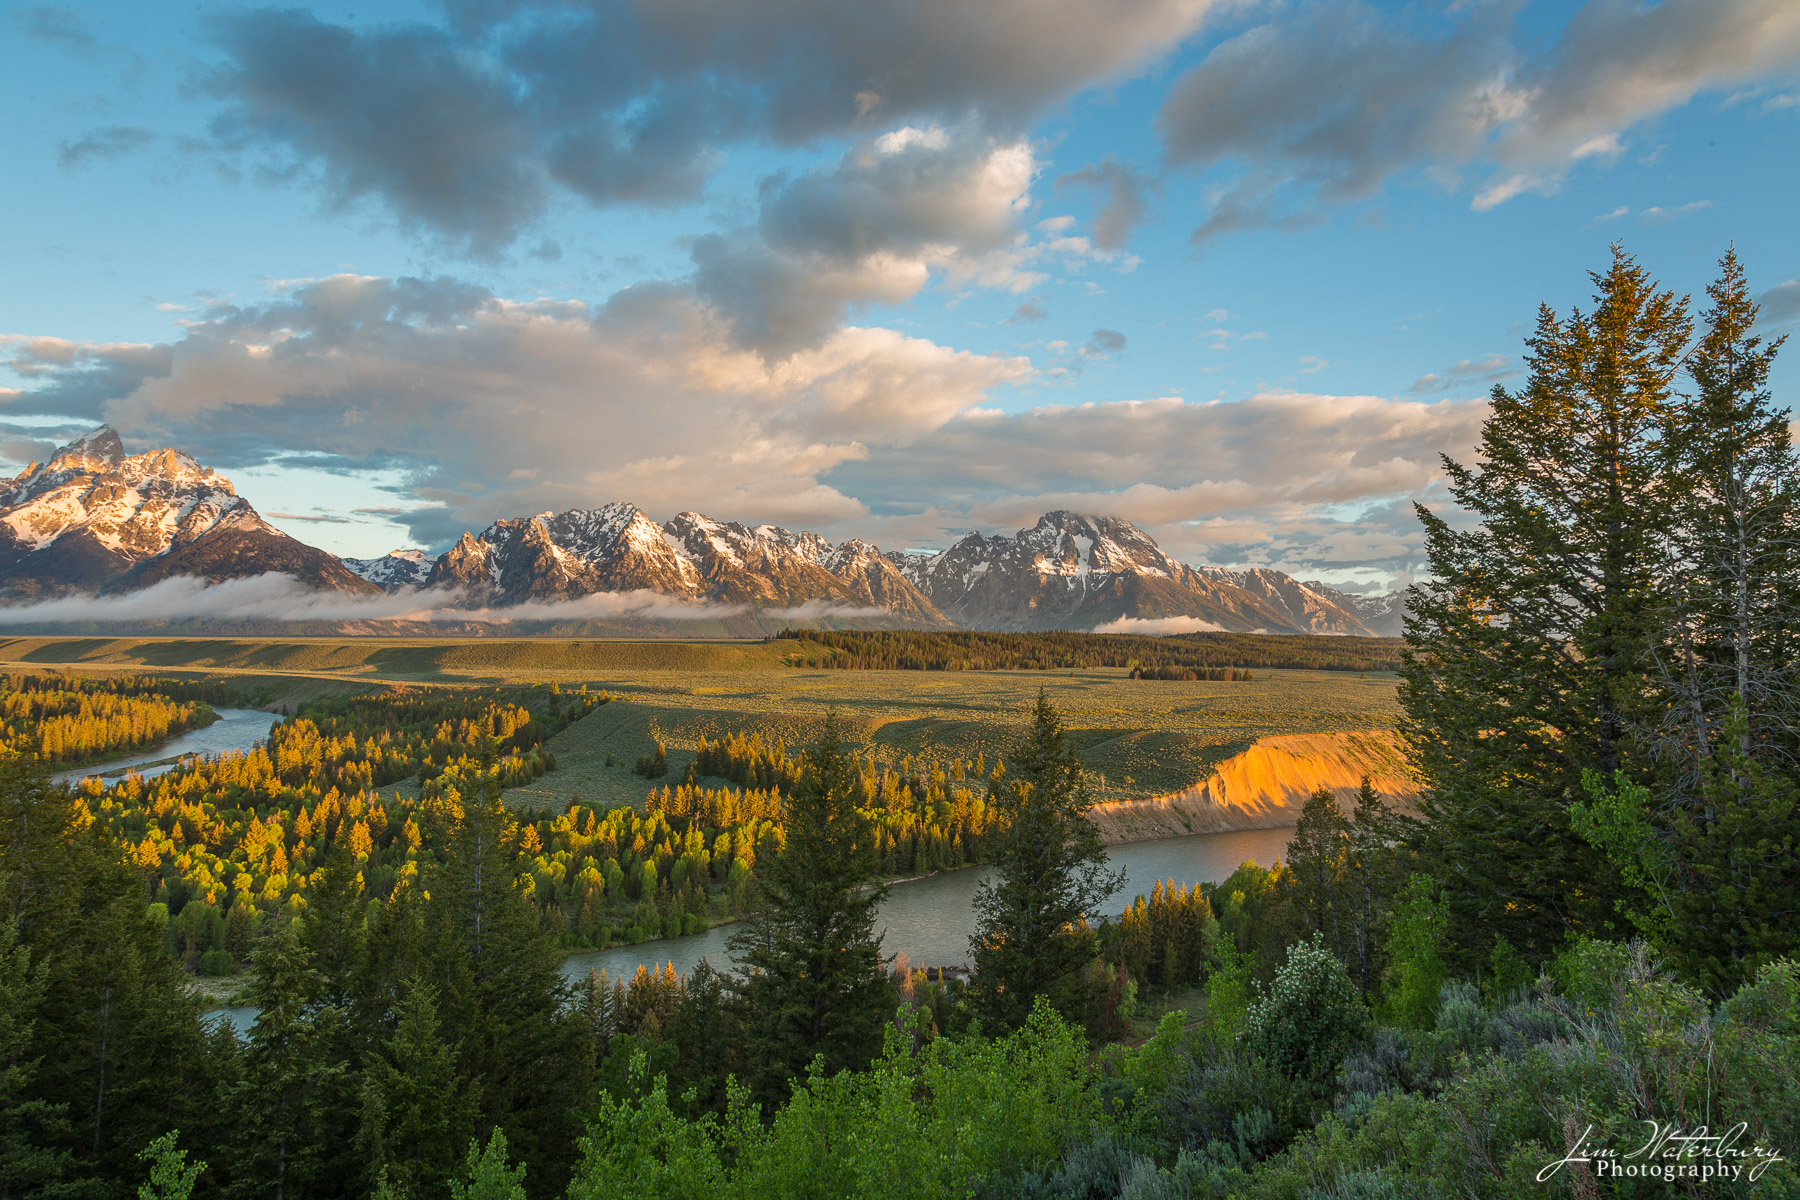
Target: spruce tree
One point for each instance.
(502, 1000)
(815, 980)
(1319, 868)
(1528, 657)
(1032, 936)
(32, 1160)
(417, 1110)
(288, 1102)
(119, 1048)
(1733, 599)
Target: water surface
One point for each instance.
(929, 920)
(236, 729)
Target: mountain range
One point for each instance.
(94, 520)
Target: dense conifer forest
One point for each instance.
(63, 721)
(913, 650)
(1572, 972)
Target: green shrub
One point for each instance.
(1311, 1017)
(217, 962)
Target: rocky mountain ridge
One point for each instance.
(94, 519)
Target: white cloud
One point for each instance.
(1158, 626)
(279, 597)
(1321, 106)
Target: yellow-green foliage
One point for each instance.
(66, 720)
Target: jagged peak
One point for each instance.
(97, 449)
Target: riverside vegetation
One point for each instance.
(1589, 925)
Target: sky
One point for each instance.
(1237, 271)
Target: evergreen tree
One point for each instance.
(416, 1108)
(1032, 936)
(1376, 868)
(288, 1102)
(1528, 652)
(117, 1040)
(1319, 869)
(1728, 824)
(1736, 540)
(32, 1162)
(815, 981)
(502, 1000)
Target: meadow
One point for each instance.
(1140, 739)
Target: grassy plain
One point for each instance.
(1142, 738)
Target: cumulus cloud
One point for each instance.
(872, 228)
(491, 116)
(477, 407)
(493, 408)
(1279, 478)
(1320, 106)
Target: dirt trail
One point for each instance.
(1265, 786)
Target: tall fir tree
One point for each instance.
(1733, 600)
(33, 1131)
(1727, 824)
(1528, 656)
(288, 1101)
(1032, 936)
(502, 999)
(1318, 876)
(815, 981)
(417, 1110)
(120, 1051)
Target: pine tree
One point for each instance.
(119, 1046)
(1732, 603)
(502, 1000)
(1729, 823)
(416, 1108)
(1528, 653)
(289, 1101)
(815, 981)
(32, 1130)
(1318, 870)
(1032, 936)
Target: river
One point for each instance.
(236, 729)
(929, 919)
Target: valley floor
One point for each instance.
(1142, 739)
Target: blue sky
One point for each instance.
(1236, 271)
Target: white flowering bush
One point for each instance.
(1311, 1018)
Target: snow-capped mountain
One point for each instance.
(1071, 571)
(618, 548)
(1384, 613)
(94, 519)
(394, 571)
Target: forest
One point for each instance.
(1572, 971)
(69, 721)
(963, 650)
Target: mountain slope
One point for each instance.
(395, 571)
(95, 519)
(617, 548)
(1071, 571)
